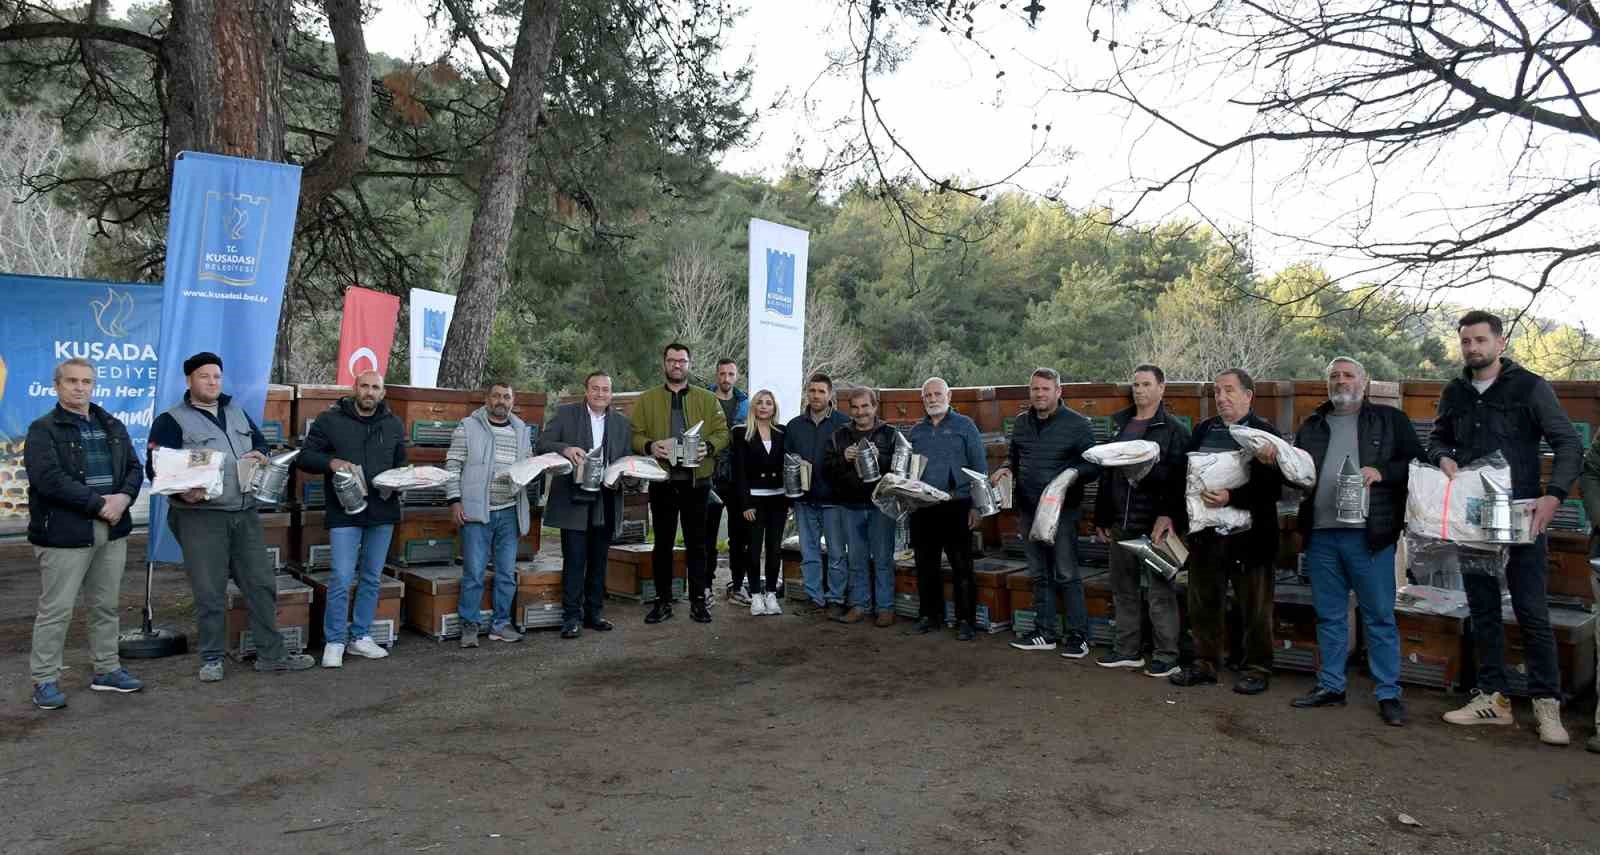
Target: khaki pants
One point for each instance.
(97, 570)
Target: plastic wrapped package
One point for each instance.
(179, 470)
(1222, 470)
(897, 497)
(1295, 463)
(525, 470)
(415, 478)
(1135, 457)
(635, 467)
(1443, 508)
(1442, 563)
(1048, 515)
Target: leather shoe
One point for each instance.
(1392, 711)
(925, 625)
(699, 613)
(1318, 697)
(658, 613)
(965, 632)
(1251, 684)
(1193, 677)
(570, 631)
(599, 625)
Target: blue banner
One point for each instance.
(49, 320)
(228, 243)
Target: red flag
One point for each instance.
(366, 334)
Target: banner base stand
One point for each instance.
(151, 642)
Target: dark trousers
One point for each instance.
(217, 545)
(738, 544)
(1214, 562)
(766, 531)
(1131, 586)
(1526, 573)
(943, 528)
(670, 501)
(583, 573)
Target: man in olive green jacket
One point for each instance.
(660, 415)
(1590, 487)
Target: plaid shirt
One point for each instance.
(96, 456)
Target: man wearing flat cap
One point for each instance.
(222, 536)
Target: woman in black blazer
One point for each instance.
(758, 494)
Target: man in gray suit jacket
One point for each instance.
(587, 520)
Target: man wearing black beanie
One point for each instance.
(222, 534)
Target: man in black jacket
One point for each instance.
(587, 520)
(869, 533)
(82, 477)
(359, 431)
(1244, 558)
(1124, 510)
(1497, 405)
(1344, 554)
(1047, 439)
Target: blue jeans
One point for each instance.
(869, 534)
(1054, 570)
(1339, 562)
(815, 521)
(358, 554)
(499, 536)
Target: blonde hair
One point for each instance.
(750, 423)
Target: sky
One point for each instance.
(958, 118)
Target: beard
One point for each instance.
(1345, 399)
(937, 410)
(1483, 361)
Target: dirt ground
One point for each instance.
(771, 734)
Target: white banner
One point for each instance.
(778, 313)
(430, 320)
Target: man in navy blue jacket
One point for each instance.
(815, 513)
(951, 442)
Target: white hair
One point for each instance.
(1360, 369)
(932, 380)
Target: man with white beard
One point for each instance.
(1346, 435)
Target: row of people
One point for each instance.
(83, 477)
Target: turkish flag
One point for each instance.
(366, 334)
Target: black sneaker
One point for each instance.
(659, 612)
(699, 613)
(1075, 647)
(1117, 660)
(1037, 641)
(925, 625)
(965, 632)
(1161, 668)
(1392, 711)
(1318, 697)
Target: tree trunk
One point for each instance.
(466, 348)
(224, 61)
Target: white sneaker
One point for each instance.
(1548, 712)
(773, 606)
(758, 605)
(366, 648)
(1483, 709)
(333, 655)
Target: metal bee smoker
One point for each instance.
(900, 462)
(1495, 515)
(867, 461)
(270, 481)
(792, 485)
(591, 474)
(985, 496)
(1352, 495)
(351, 492)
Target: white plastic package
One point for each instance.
(1047, 517)
(525, 470)
(179, 470)
(1223, 470)
(1135, 457)
(636, 467)
(411, 478)
(1443, 508)
(1295, 463)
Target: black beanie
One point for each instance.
(204, 357)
